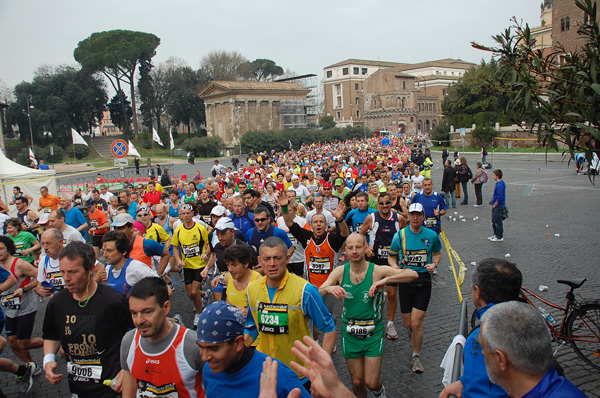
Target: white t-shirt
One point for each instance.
(329, 219)
(71, 235)
(298, 255)
(417, 183)
(136, 270)
(301, 192)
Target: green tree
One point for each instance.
(154, 94)
(264, 70)
(556, 93)
(61, 98)
(115, 106)
(116, 54)
(183, 105)
(475, 93)
(327, 122)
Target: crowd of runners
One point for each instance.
(264, 252)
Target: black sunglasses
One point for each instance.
(388, 202)
(261, 219)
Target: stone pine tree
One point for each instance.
(116, 54)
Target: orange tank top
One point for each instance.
(137, 251)
(166, 373)
(319, 261)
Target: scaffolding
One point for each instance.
(293, 114)
(311, 101)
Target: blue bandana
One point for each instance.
(220, 322)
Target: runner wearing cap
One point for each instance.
(152, 197)
(190, 246)
(303, 195)
(231, 369)
(141, 249)
(158, 358)
(340, 189)
(419, 249)
(330, 202)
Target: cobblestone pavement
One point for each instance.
(539, 194)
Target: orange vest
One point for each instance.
(165, 373)
(319, 261)
(137, 251)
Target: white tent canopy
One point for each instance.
(29, 180)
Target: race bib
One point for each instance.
(192, 250)
(94, 223)
(357, 227)
(207, 219)
(383, 251)
(361, 328)
(56, 279)
(273, 318)
(84, 372)
(430, 222)
(11, 302)
(153, 208)
(319, 265)
(19, 249)
(416, 258)
(47, 210)
(145, 389)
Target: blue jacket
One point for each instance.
(475, 380)
(499, 193)
(555, 386)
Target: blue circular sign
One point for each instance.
(385, 141)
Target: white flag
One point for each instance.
(77, 138)
(132, 151)
(172, 143)
(32, 156)
(155, 137)
(291, 146)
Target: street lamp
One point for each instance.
(29, 106)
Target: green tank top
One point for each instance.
(361, 316)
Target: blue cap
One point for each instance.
(220, 322)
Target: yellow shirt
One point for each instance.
(191, 243)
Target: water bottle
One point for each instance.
(110, 383)
(547, 316)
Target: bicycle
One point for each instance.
(579, 326)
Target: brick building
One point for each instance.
(236, 107)
(389, 95)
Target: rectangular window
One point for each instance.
(567, 23)
(358, 114)
(357, 100)
(345, 71)
(403, 84)
(364, 71)
(338, 114)
(434, 107)
(444, 91)
(339, 102)
(562, 24)
(338, 89)
(355, 70)
(356, 86)
(329, 74)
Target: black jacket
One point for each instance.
(448, 183)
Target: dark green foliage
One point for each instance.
(264, 70)
(183, 104)
(327, 122)
(441, 133)
(556, 93)
(82, 151)
(42, 153)
(62, 98)
(280, 140)
(484, 134)
(116, 111)
(205, 147)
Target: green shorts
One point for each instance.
(353, 347)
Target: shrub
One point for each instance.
(206, 147)
(484, 134)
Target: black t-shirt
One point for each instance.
(100, 204)
(325, 174)
(90, 336)
(336, 240)
(220, 261)
(204, 210)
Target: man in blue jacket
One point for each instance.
(494, 281)
(498, 204)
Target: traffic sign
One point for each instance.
(119, 148)
(463, 131)
(385, 141)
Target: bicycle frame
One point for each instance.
(558, 333)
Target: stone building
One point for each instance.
(235, 107)
(389, 95)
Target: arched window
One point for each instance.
(403, 102)
(427, 125)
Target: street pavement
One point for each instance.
(544, 198)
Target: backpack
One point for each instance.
(483, 178)
(469, 173)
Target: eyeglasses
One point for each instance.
(326, 189)
(261, 219)
(388, 202)
(142, 215)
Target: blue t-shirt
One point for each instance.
(3, 275)
(246, 381)
(475, 379)
(152, 248)
(419, 248)
(132, 207)
(553, 385)
(358, 217)
(74, 217)
(243, 223)
(431, 203)
(255, 238)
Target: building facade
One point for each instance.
(389, 95)
(107, 127)
(236, 107)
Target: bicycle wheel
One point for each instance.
(583, 328)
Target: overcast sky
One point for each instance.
(303, 36)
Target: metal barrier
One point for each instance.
(463, 329)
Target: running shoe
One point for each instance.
(492, 237)
(417, 366)
(382, 394)
(27, 379)
(36, 369)
(390, 332)
(496, 239)
(196, 318)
